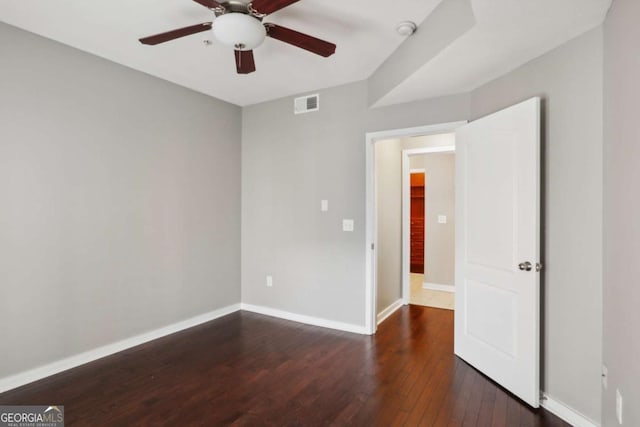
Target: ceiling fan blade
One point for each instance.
(211, 4)
(245, 63)
(269, 6)
(175, 34)
(303, 41)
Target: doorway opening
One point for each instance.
(497, 244)
(388, 259)
(431, 218)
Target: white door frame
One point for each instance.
(406, 211)
(371, 221)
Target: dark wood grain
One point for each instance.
(301, 40)
(270, 6)
(250, 370)
(175, 34)
(417, 208)
(245, 63)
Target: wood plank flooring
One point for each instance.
(251, 370)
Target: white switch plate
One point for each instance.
(269, 281)
(347, 225)
(619, 406)
(442, 219)
(324, 205)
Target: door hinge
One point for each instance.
(373, 246)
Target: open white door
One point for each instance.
(497, 317)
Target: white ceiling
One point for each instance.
(508, 33)
(364, 31)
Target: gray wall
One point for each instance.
(622, 210)
(569, 79)
(292, 162)
(439, 243)
(120, 202)
(388, 170)
(289, 164)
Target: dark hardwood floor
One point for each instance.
(250, 370)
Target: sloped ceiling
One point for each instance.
(505, 34)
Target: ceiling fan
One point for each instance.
(239, 25)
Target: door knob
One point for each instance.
(525, 266)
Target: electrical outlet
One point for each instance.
(269, 281)
(347, 225)
(619, 406)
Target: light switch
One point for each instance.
(269, 281)
(324, 205)
(442, 219)
(347, 225)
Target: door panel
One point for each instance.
(490, 235)
(495, 328)
(497, 313)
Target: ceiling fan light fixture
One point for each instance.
(239, 31)
(238, 25)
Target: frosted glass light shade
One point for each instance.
(239, 31)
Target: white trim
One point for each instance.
(393, 307)
(416, 131)
(428, 150)
(35, 374)
(370, 250)
(300, 318)
(568, 414)
(438, 287)
(422, 170)
(406, 210)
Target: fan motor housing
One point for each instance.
(235, 6)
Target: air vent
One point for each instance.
(306, 104)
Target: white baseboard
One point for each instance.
(26, 377)
(315, 321)
(568, 414)
(382, 316)
(437, 287)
